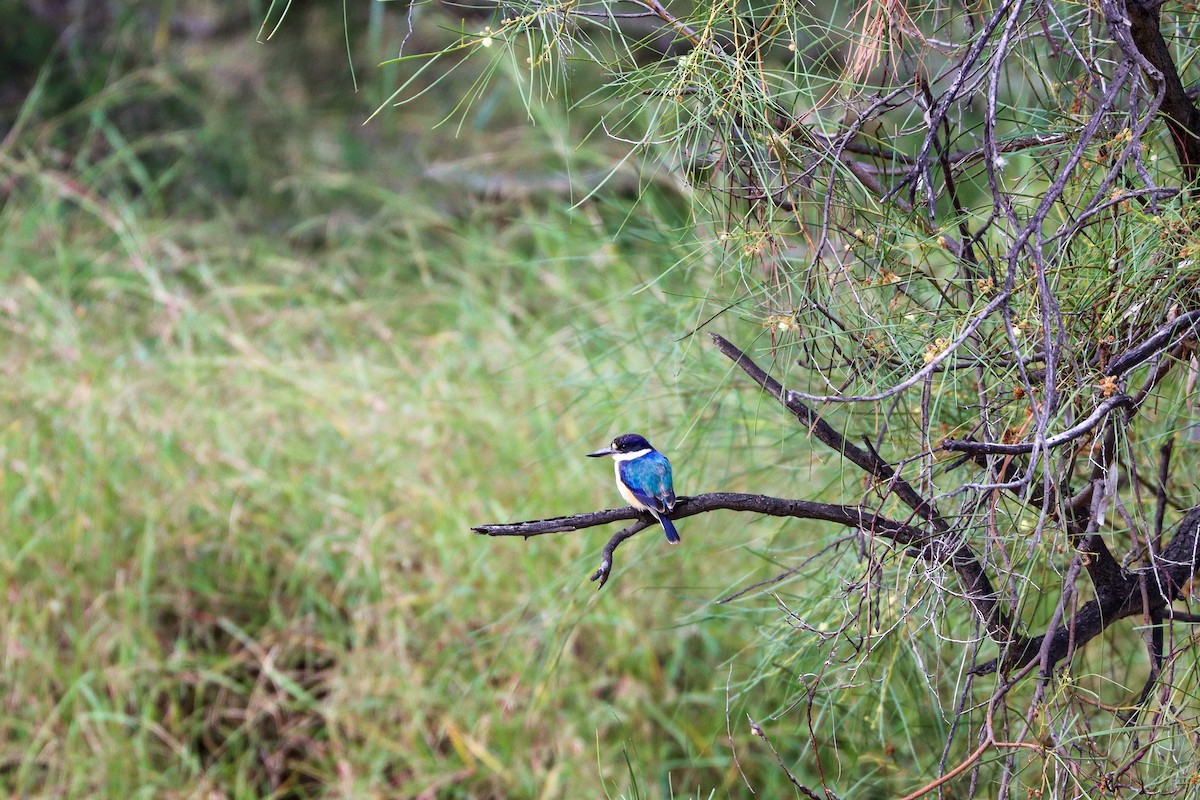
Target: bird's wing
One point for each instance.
(649, 478)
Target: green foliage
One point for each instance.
(969, 277)
(256, 396)
(265, 366)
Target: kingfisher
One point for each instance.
(643, 478)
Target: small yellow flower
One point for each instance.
(781, 322)
(935, 349)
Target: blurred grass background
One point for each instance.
(264, 366)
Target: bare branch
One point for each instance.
(979, 590)
(1135, 27)
(866, 460)
(858, 517)
(1069, 435)
(1125, 598)
(855, 516)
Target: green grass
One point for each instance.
(260, 373)
(247, 431)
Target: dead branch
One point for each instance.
(859, 517)
(979, 590)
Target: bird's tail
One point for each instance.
(668, 528)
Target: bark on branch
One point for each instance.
(1162, 583)
(1135, 25)
(860, 517)
(979, 591)
(1162, 339)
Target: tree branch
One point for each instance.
(1069, 435)
(1142, 18)
(1164, 582)
(856, 516)
(860, 517)
(863, 459)
(979, 590)
(1165, 337)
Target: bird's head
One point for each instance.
(622, 445)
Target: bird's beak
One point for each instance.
(608, 451)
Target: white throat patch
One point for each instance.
(630, 456)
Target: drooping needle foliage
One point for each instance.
(965, 233)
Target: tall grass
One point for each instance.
(261, 374)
